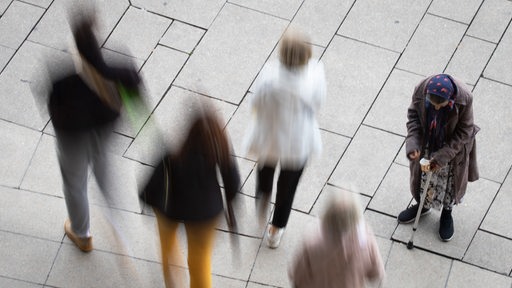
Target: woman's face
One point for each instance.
(437, 106)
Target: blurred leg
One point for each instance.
(74, 161)
(264, 181)
(286, 187)
(200, 238)
(169, 247)
(100, 140)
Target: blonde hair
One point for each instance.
(343, 214)
(294, 50)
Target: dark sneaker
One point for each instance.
(446, 228)
(408, 215)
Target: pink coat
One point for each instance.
(349, 262)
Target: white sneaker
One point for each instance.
(273, 239)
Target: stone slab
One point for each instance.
(3, 5)
(138, 33)
(470, 59)
(381, 224)
(73, 268)
(366, 161)
(497, 220)
(475, 277)
(389, 111)
(320, 20)
(238, 127)
(172, 114)
(500, 65)
(182, 36)
(238, 43)
(467, 217)
(492, 20)
(490, 106)
(459, 10)
(355, 73)
(324, 198)
(41, 3)
(490, 251)
(26, 258)
(117, 59)
(194, 12)
(7, 282)
(408, 268)
(53, 29)
(388, 24)
(282, 9)
(42, 215)
(6, 54)
(16, 152)
(393, 194)
(17, 22)
(271, 265)
(424, 57)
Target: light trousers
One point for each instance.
(200, 240)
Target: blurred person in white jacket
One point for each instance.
(284, 129)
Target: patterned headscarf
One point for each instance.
(442, 86)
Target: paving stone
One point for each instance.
(232, 262)
(395, 97)
(42, 215)
(388, 24)
(401, 158)
(5, 55)
(256, 285)
(17, 22)
(490, 103)
(160, 71)
(318, 170)
(218, 281)
(271, 265)
(238, 127)
(355, 72)
(16, 152)
(117, 59)
(490, 251)
(320, 20)
(363, 165)
(469, 60)
(251, 33)
(137, 33)
(500, 64)
(491, 20)
(194, 12)
(73, 268)
(431, 46)
(182, 36)
(324, 198)
(53, 29)
(282, 9)
(408, 268)
(498, 217)
(172, 114)
(40, 3)
(475, 277)
(3, 5)
(459, 10)
(246, 217)
(467, 217)
(393, 194)
(382, 225)
(26, 85)
(7, 282)
(26, 258)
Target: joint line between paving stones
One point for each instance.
(448, 275)
(54, 259)
(21, 280)
(31, 159)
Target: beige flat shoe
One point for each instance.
(85, 244)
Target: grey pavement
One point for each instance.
(374, 52)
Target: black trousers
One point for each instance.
(286, 187)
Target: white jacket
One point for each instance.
(284, 126)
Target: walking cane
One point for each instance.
(410, 244)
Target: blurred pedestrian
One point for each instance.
(342, 250)
(440, 128)
(83, 107)
(184, 188)
(284, 129)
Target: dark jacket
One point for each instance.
(188, 190)
(459, 148)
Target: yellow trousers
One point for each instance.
(200, 238)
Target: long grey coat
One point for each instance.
(460, 146)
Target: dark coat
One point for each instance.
(188, 190)
(459, 148)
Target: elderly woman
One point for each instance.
(440, 128)
(343, 252)
(284, 129)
